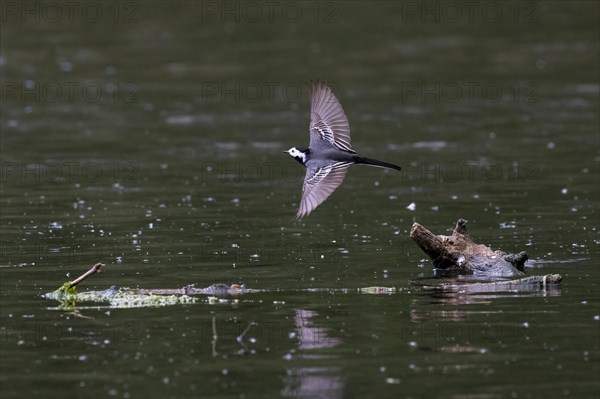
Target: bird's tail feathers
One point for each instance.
(375, 162)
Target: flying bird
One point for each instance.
(329, 153)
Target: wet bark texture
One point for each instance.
(457, 254)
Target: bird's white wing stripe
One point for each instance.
(326, 133)
(319, 186)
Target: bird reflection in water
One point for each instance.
(315, 379)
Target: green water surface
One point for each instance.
(149, 136)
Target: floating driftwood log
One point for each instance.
(457, 254)
(123, 297)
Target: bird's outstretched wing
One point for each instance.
(327, 119)
(319, 183)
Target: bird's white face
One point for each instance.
(297, 154)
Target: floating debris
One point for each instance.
(124, 297)
(377, 290)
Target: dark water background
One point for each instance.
(149, 136)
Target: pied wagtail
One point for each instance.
(329, 153)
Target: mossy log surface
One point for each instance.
(457, 254)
